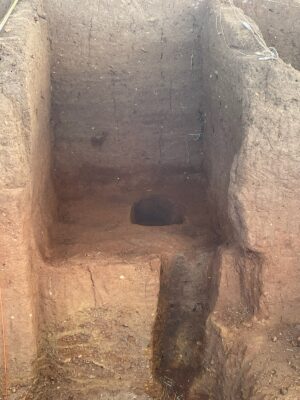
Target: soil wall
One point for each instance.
(279, 24)
(251, 151)
(126, 84)
(25, 185)
(252, 157)
(4, 7)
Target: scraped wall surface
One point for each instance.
(4, 7)
(281, 33)
(126, 83)
(252, 160)
(25, 187)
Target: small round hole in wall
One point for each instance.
(156, 210)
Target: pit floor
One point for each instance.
(94, 217)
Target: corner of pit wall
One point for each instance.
(236, 298)
(250, 259)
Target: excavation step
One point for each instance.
(102, 318)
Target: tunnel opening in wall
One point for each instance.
(148, 228)
(156, 211)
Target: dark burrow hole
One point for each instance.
(156, 210)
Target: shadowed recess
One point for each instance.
(156, 211)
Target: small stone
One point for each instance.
(283, 391)
(274, 339)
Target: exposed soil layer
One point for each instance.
(131, 71)
(4, 7)
(280, 33)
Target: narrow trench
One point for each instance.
(179, 331)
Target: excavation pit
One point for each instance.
(121, 116)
